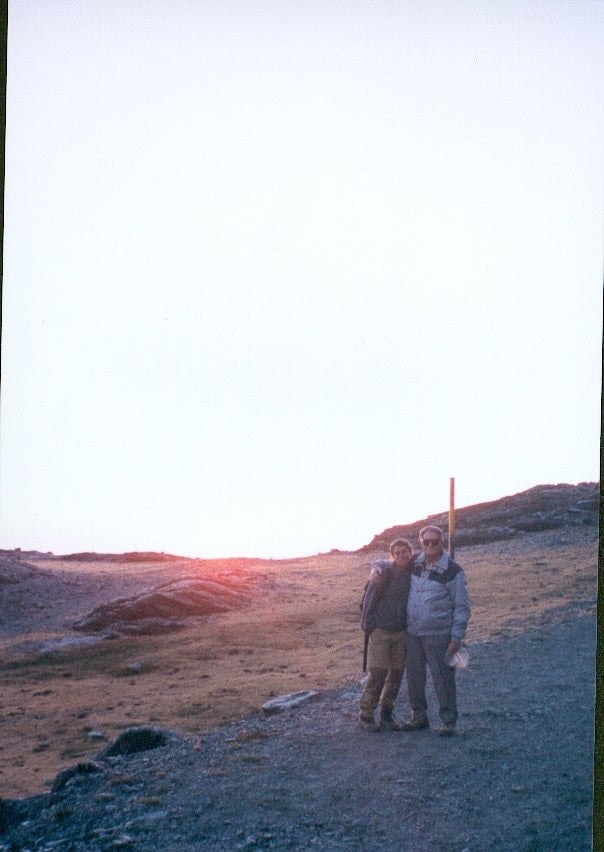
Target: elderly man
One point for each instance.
(384, 618)
(438, 611)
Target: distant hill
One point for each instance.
(134, 556)
(544, 507)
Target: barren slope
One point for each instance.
(301, 632)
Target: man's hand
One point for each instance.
(453, 647)
(377, 573)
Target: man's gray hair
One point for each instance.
(431, 528)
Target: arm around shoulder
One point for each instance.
(378, 571)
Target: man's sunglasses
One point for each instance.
(428, 541)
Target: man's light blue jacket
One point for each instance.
(438, 598)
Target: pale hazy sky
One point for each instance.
(275, 271)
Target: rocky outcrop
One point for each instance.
(163, 608)
(134, 556)
(129, 742)
(86, 767)
(14, 568)
(287, 702)
(11, 814)
(544, 507)
(138, 738)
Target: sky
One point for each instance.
(275, 271)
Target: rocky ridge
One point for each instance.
(543, 507)
(163, 608)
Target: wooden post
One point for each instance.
(452, 517)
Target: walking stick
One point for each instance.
(365, 646)
(452, 517)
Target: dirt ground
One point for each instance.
(303, 633)
(517, 776)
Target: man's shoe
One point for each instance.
(388, 722)
(367, 723)
(415, 723)
(446, 730)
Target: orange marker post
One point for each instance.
(452, 517)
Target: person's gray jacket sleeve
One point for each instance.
(458, 589)
(375, 587)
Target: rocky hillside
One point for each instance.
(544, 507)
(163, 609)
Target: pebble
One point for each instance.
(122, 842)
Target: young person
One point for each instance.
(384, 618)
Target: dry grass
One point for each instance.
(305, 635)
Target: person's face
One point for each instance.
(432, 546)
(401, 555)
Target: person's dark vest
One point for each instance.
(385, 603)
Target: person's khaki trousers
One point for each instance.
(386, 664)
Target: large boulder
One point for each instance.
(164, 607)
(137, 739)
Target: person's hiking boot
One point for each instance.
(447, 730)
(388, 722)
(367, 723)
(415, 723)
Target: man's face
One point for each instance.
(402, 556)
(432, 545)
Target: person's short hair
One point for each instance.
(431, 528)
(401, 542)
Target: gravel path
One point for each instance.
(518, 776)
